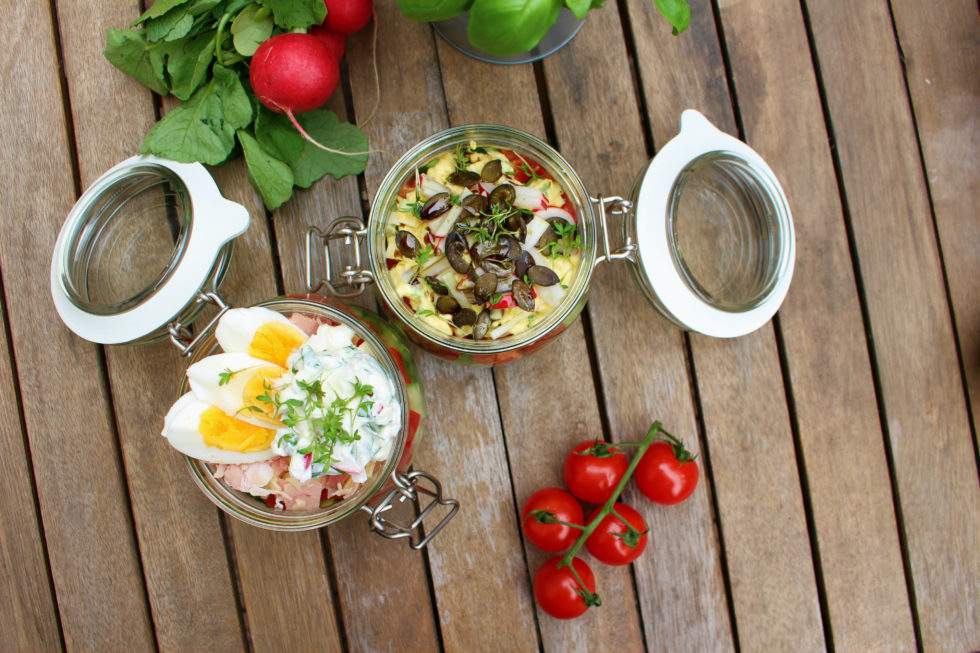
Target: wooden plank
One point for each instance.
(643, 368)
(910, 325)
(30, 614)
(463, 445)
(186, 570)
(769, 558)
(943, 77)
(532, 393)
(378, 614)
(823, 335)
(87, 524)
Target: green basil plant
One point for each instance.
(504, 27)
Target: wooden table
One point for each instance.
(839, 506)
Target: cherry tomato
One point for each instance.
(612, 542)
(559, 593)
(593, 469)
(667, 473)
(553, 504)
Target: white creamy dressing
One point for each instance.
(330, 359)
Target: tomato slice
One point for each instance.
(519, 175)
(506, 301)
(400, 363)
(569, 207)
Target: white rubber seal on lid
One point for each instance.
(214, 222)
(656, 261)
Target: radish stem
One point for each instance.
(312, 140)
(374, 66)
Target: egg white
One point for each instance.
(236, 328)
(181, 428)
(204, 378)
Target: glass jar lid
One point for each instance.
(138, 246)
(715, 240)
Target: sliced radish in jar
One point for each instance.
(431, 187)
(526, 197)
(442, 226)
(436, 267)
(535, 229)
(555, 212)
(551, 294)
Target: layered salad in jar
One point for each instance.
(482, 243)
(294, 412)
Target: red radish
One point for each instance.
(293, 73)
(348, 16)
(333, 40)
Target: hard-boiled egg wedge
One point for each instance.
(259, 332)
(202, 431)
(238, 384)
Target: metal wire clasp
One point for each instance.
(181, 336)
(612, 206)
(353, 279)
(407, 486)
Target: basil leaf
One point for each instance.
(131, 53)
(270, 176)
(579, 7)
(308, 162)
(202, 128)
(510, 26)
(430, 10)
(293, 14)
(678, 12)
(188, 63)
(250, 27)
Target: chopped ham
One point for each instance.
(305, 323)
(271, 480)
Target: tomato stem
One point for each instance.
(607, 508)
(548, 517)
(592, 599)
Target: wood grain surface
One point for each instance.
(943, 78)
(822, 332)
(692, 615)
(922, 396)
(186, 570)
(83, 500)
(839, 501)
(30, 615)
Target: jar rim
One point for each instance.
(506, 138)
(250, 509)
(202, 260)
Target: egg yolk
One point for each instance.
(224, 432)
(275, 341)
(260, 385)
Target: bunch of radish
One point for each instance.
(296, 72)
(243, 70)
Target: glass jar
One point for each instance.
(454, 32)
(706, 230)
(145, 248)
